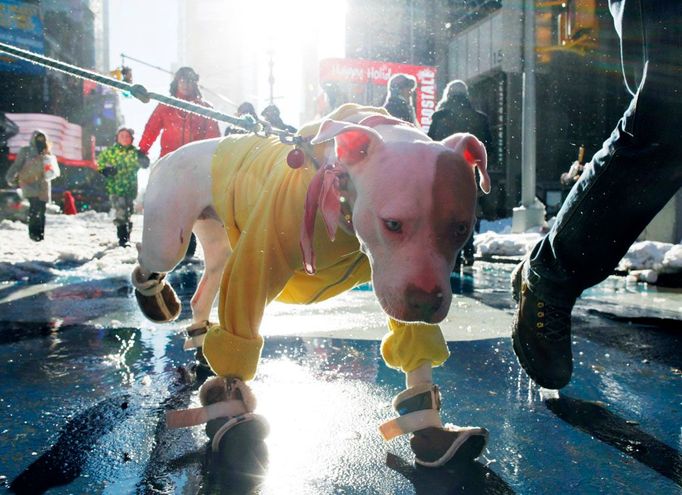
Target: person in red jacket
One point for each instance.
(178, 127)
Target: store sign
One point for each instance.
(66, 139)
(362, 77)
(21, 26)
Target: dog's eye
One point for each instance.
(393, 225)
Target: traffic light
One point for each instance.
(122, 73)
(127, 74)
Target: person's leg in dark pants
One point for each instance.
(469, 250)
(191, 247)
(624, 186)
(36, 219)
(123, 210)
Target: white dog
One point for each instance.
(404, 205)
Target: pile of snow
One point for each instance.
(645, 255)
(85, 245)
(86, 241)
(493, 244)
(646, 259)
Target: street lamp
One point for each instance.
(531, 213)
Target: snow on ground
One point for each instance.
(85, 245)
(86, 241)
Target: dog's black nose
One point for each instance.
(422, 305)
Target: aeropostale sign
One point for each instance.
(361, 79)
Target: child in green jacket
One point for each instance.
(119, 164)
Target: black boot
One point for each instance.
(36, 219)
(541, 335)
(123, 235)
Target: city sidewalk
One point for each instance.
(86, 381)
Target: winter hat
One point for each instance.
(270, 111)
(189, 75)
(457, 88)
(246, 108)
(186, 73)
(127, 129)
(398, 82)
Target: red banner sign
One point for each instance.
(362, 77)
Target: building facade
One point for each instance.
(71, 31)
(580, 95)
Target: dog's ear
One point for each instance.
(352, 141)
(473, 152)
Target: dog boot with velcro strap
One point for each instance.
(195, 334)
(227, 410)
(155, 297)
(432, 444)
(194, 339)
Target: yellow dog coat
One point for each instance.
(260, 201)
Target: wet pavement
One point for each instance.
(86, 382)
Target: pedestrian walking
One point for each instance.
(245, 108)
(33, 171)
(272, 115)
(455, 113)
(619, 192)
(178, 127)
(8, 129)
(399, 97)
(120, 163)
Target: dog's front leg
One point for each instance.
(415, 348)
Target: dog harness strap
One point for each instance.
(184, 418)
(410, 423)
(215, 444)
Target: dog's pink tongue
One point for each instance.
(323, 192)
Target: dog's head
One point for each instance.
(413, 203)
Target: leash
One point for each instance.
(247, 123)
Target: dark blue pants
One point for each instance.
(636, 172)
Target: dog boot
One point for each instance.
(194, 339)
(235, 432)
(432, 444)
(155, 297)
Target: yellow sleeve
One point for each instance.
(260, 266)
(407, 345)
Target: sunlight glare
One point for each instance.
(298, 34)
